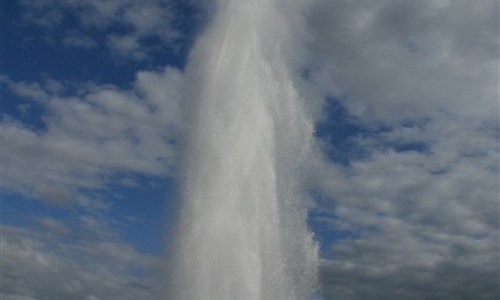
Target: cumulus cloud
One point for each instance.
(91, 136)
(419, 82)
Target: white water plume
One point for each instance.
(243, 233)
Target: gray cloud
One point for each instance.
(422, 202)
(43, 265)
(393, 60)
(425, 224)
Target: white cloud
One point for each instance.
(32, 90)
(92, 137)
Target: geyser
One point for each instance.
(243, 233)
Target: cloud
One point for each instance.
(79, 40)
(32, 90)
(54, 225)
(418, 81)
(392, 60)
(39, 265)
(129, 29)
(421, 203)
(423, 225)
(91, 136)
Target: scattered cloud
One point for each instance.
(128, 28)
(421, 203)
(419, 219)
(91, 136)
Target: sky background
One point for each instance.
(405, 101)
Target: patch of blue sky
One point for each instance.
(321, 221)
(420, 147)
(340, 130)
(145, 208)
(343, 132)
(323, 225)
(23, 110)
(24, 211)
(32, 52)
(139, 213)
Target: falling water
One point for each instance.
(243, 231)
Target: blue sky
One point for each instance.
(404, 100)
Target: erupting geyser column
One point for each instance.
(243, 232)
